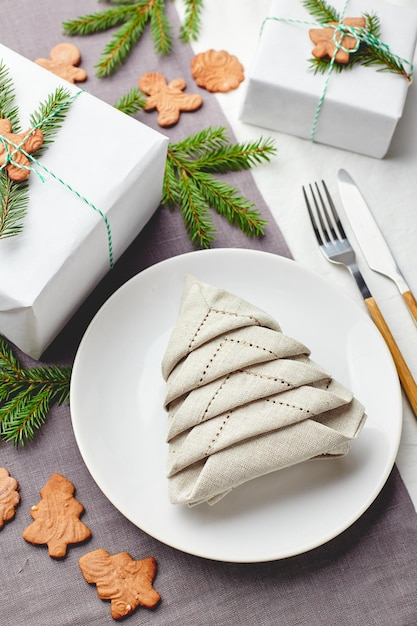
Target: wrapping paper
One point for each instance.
(244, 399)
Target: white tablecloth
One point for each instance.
(389, 185)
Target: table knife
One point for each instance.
(370, 239)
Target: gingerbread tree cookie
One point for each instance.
(9, 496)
(63, 62)
(323, 38)
(168, 99)
(56, 516)
(120, 579)
(13, 147)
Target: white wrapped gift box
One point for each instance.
(361, 106)
(112, 161)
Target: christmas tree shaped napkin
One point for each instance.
(244, 399)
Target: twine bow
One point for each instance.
(14, 153)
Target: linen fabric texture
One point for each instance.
(244, 399)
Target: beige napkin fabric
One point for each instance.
(243, 399)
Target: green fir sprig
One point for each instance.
(14, 196)
(132, 18)
(131, 102)
(27, 395)
(50, 116)
(190, 184)
(378, 56)
(190, 28)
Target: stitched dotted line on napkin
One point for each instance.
(238, 341)
(210, 402)
(217, 435)
(212, 310)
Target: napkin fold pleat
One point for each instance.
(235, 350)
(239, 388)
(244, 399)
(257, 418)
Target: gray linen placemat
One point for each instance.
(365, 576)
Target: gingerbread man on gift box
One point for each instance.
(325, 45)
(14, 147)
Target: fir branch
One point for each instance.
(120, 45)
(27, 395)
(190, 184)
(132, 17)
(321, 11)
(131, 102)
(190, 29)
(160, 28)
(97, 22)
(14, 200)
(14, 197)
(51, 115)
(8, 110)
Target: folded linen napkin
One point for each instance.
(243, 399)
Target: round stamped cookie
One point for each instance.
(217, 71)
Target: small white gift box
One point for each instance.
(361, 106)
(103, 181)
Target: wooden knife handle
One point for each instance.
(405, 376)
(411, 303)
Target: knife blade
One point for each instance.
(370, 239)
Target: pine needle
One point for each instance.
(27, 395)
(190, 184)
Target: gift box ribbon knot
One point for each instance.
(12, 150)
(341, 30)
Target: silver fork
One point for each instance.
(337, 248)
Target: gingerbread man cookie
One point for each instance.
(217, 70)
(18, 168)
(127, 583)
(323, 38)
(56, 516)
(9, 496)
(63, 61)
(168, 99)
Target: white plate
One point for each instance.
(117, 394)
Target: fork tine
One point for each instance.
(313, 220)
(338, 223)
(328, 226)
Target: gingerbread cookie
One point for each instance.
(323, 38)
(217, 70)
(56, 516)
(63, 61)
(9, 496)
(168, 99)
(11, 145)
(120, 579)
